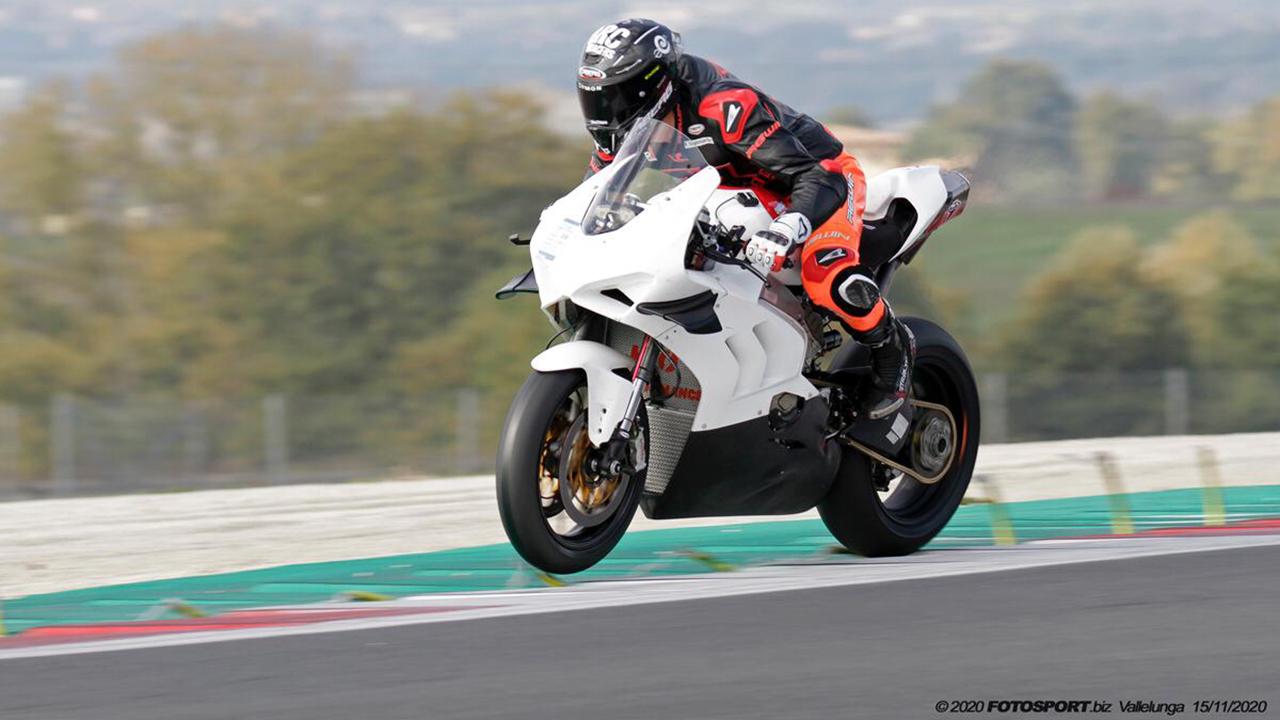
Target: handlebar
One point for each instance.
(722, 245)
(729, 260)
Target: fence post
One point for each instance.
(10, 427)
(275, 427)
(195, 441)
(467, 436)
(1177, 401)
(995, 408)
(62, 443)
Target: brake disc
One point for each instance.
(588, 499)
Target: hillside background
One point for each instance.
(238, 240)
(892, 58)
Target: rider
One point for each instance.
(816, 192)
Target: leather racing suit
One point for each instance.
(795, 165)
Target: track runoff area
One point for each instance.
(1082, 627)
(1149, 605)
(653, 567)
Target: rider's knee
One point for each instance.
(854, 292)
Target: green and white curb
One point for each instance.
(649, 554)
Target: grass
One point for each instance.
(989, 255)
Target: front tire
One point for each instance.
(544, 446)
(902, 519)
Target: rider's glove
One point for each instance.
(768, 249)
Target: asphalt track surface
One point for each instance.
(1164, 628)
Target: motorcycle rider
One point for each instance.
(816, 192)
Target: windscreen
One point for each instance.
(653, 159)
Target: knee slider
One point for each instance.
(855, 292)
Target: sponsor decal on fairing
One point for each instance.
(900, 425)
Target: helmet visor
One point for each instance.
(609, 110)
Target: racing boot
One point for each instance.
(893, 351)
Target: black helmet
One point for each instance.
(628, 71)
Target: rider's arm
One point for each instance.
(750, 126)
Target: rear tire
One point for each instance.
(876, 524)
(542, 412)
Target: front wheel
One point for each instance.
(874, 511)
(560, 515)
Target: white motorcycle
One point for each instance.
(689, 384)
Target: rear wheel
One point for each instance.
(560, 514)
(874, 510)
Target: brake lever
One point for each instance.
(730, 260)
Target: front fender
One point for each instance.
(607, 392)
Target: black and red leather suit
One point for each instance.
(795, 165)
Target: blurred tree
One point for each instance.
(366, 239)
(1194, 264)
(488, 345)
(182, 346)
(915, 292)
(1249, 149)
(43, 173)
(1015, 120)
(184, 111)
(60, 301)
(1088, 328)
(1187, 171)
(1120, 144)
(1097, 310)
(1239, 379)
(1247, 316)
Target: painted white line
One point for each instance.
(837, 572)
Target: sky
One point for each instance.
(892, 58)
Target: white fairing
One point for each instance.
(606, 392)
(760, 350)
(921, 185)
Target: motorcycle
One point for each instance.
(689, 384)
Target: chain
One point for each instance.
(902, 468)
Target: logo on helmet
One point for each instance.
(667, 87)
(587, 72)
(606, 41)
(697, 128)
(661, 46)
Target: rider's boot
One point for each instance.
(893, 351)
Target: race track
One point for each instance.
(1162, 619)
